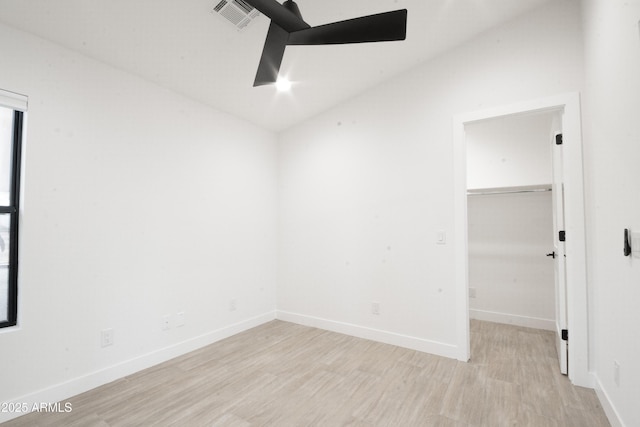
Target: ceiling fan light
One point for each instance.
(283, 84)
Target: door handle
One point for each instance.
(552, 255)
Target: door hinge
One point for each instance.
(562, 236)
(559, 139)
(565, 335)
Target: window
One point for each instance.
(11, 123)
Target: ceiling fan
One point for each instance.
(288, 28)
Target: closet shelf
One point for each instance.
(509, 190)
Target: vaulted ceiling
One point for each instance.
(183, 46)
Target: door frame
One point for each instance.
(559, 257)
(577, 302)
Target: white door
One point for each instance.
(558, 253)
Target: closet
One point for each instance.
(510, 220)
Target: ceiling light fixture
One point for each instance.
(283, 84)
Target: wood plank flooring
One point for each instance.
(282, 374)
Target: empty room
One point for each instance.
(365, 213)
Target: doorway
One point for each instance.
(576, 302)
(511, 222)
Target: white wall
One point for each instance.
(509, 235)
(365, 187)
(612, 151)
(137, 203)
(509, 151)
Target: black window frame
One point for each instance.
(13, 209)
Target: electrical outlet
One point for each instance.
(472, 292)
(233, 304)
(180, 319)
(106, 337)
(616, 372)
(375, 308)
(166, 322)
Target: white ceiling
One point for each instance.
(181, 45)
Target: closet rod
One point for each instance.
(514, 191)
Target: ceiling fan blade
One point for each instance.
(388, 26)
(272, 54)
(279, 14)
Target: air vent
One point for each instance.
(238, 12)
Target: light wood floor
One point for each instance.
(281, 374)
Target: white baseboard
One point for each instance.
(414, 343)
(607, 405)
(72, 387)
(513, 319)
